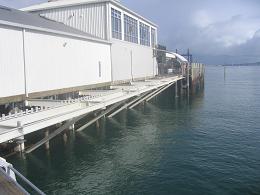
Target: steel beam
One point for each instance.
(54, 134)
(146, 97)
(164, 88)
(99, 116)
(39, 119)
(126, 105)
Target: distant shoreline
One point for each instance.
(244, 64)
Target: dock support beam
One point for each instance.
(65, 137)
(145, 98)
(126, 106)
(176, 89)
(100, 116)
(20, 140)
(55, 133)
(158, 92)
(46, 134)
(72, 127)
(20, 144)
(182, 87)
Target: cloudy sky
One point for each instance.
(217, 32)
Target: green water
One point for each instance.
(209, 145)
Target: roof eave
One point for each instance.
(32, 9)
(37, 8)
(24, 26)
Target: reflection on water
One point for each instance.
(208, 145)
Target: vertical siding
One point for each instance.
(57, 62)
(90, 18)
(141, 65)
(11, 62)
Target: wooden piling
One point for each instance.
(46, 134)
(176, 89)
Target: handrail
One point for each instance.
(17, 184)
(25, 180)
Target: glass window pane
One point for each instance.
(144, 34)
(153, 37)
(116, 24)
(131, 29)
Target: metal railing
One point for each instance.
(24, 179)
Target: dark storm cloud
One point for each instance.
(221, 31)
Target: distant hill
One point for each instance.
(244, 64)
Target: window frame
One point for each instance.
(145, 34)
(153, 37)
(130, 36)
(116, 23)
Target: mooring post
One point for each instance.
(46, 134)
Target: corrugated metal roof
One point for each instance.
(66, 3)
(13, 17)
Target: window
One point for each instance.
(153, 37)
(131, 29)
(144, 34)
(116, 24)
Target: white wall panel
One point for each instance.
(55, 62)
(138, 65)
(11, 62)
(89, 18)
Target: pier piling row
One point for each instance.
(50, 112)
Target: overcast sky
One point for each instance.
(216, 31)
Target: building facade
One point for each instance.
(133, 37)
(39, 57)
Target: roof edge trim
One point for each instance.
(24, 26)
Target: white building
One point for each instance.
(133, 37)
(39, 57)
